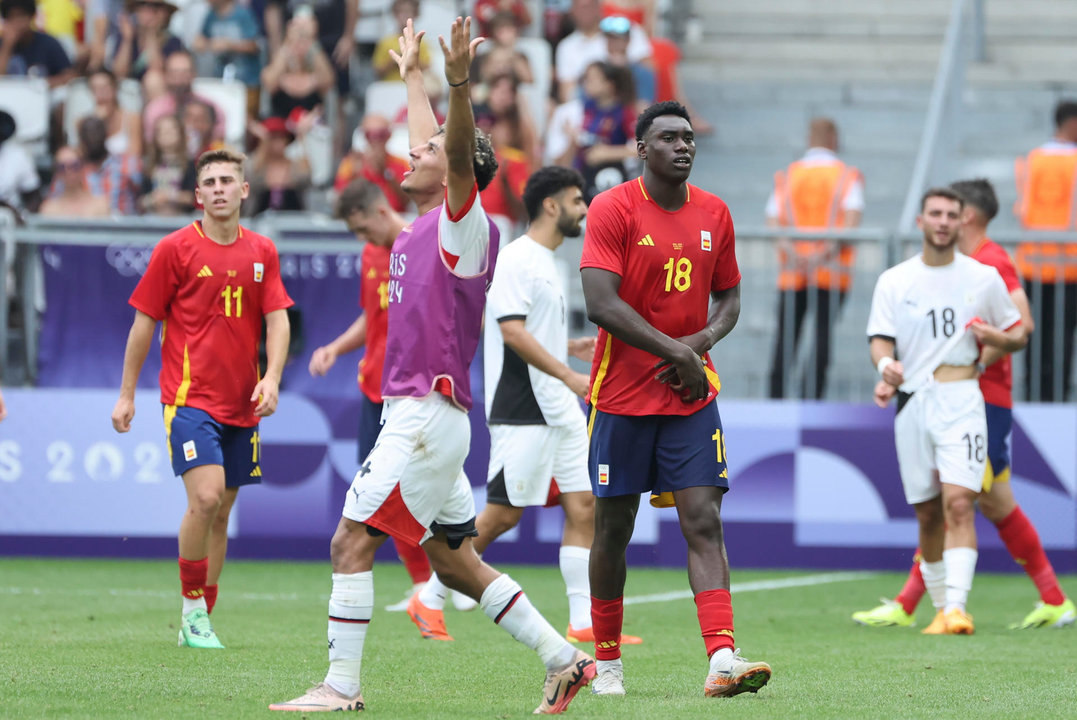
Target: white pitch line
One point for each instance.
(754, 586)
(757, 585)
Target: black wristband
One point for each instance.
(465, 81)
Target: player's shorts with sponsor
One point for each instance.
(369, 425)
(657, 453)
(194, 438)
(524, 458)
(412, 483)
(942, 428)
(999, 428)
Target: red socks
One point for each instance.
(1023, 542)
(607, 619)
(193, 577)
(715, 611)
(211, 597)
(414, 559)
(914, 589)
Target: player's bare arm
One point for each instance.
(459, 120)
(134, 355)
(1010, 340)
(267, 391)
(893, 372)
(991, 354)
(722, 318)
(533, 353)
(606, 309)
(348, 341)
(422, 124)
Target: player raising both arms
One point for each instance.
(656, 253)
(996, 502)
(934, 310)
(412, 484)
(210, 284)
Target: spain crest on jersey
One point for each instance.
(705, 240)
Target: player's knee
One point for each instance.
(206, 501)
(959, 509)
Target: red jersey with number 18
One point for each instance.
(374, 299)
(669, 263)
(211, 299)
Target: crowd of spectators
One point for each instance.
(130, 111)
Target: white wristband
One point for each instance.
(884, 363)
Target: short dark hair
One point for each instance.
(359, 196)
(943, 192)
(9, 6)
(1065, 110)
(485, 159)
(223, 155)
(547, 182)
(980, 194)
(669, 107)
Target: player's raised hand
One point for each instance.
(407, 59)
(459, 54)
(266, 393)
(122, 414)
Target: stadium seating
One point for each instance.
(27, 100)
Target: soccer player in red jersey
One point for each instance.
(996, 502)
(210, 284)
(657, 251)
(366, 210)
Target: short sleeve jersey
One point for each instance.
(527, 286)
(669, 264)
(374, 299)
(922, 306)
(211, 299)
(997, 381)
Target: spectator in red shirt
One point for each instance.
(371, 160)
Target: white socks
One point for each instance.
(960, 565)
(434, 593)
(505, 603)
(721, 659)
(190, 605)
(574, 562)
(350, 607)
(935, 581)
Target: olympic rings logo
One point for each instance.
(129, 261)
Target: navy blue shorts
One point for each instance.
(658, 454)
(194, 438)
(369, 425)
(999, 426)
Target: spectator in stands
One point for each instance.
(371, 160)
(20, 186)
(605, 137)
(334, 26)
(300, 74)
(486, 10)
(118, 178)
(586, 44)
(169, 177)
(71, 197)
(144, 43)
(817, 192)
(278, 181)
(29, 52)
(63, 19)
(179, 76)
(1046, 182)
(639, 12)
(505, 118)
(616, 28)
(501, 52)
(385, 67)
(199, 120)
(229, 37)
(124, 126)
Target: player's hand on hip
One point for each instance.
(408, 58)
(884, 393)
(266, 393)
(321, 360)
(460, 50)
(122, 414)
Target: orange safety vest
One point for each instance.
(1046, 190)
(809, 198)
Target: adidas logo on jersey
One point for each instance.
(257, 471)
(205, 272)
(646, 241)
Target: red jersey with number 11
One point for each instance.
(669, 263)
(211, 299)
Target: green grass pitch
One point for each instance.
(97, 638)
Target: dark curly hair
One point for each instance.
(547, 182)
(485, 163)
(669, 107)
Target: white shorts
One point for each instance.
(523, 459)
(414, 476)
(941, 437)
